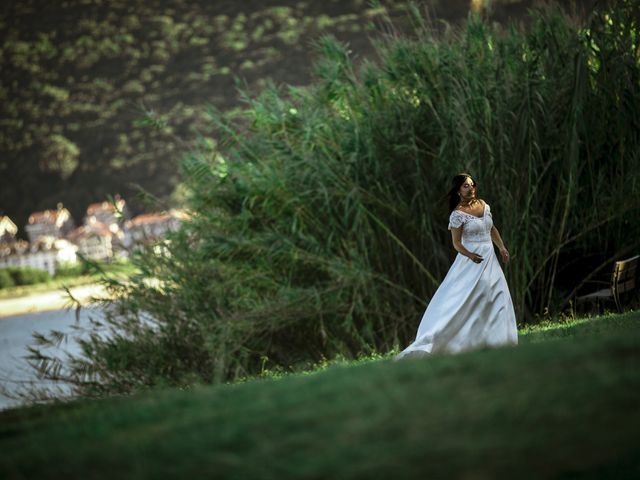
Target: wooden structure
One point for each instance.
(622, 285)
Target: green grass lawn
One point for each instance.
(562, 404)
(119, 269)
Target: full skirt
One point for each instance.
(471, 309)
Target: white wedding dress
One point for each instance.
(472, 308)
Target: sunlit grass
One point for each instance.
(121, 270)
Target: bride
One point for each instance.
(472, 308)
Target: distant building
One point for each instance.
(149, 227)
(94, 242)
(49, 223)
(107, 213)
(103, 235)
(48, 253)
(8, 230)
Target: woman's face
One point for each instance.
(467, 189)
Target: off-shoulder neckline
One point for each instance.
(484, 211)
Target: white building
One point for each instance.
(149, 227)
(107, 213)
(49, 223)
(94, 241)
(8, 229)
(46, 254)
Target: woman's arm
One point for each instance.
(456, 238)
(497, 239)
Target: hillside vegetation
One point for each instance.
(562, 404)
(78, 77)
(318, 228)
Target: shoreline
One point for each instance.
(50, 300)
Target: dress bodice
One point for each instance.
(474, 229)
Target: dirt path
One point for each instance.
(46, 301)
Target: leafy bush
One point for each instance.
(71, 270)
(318, 228)
(6, 280)
(29, 276)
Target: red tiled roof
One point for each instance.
(146, 218)
(49, 216)
(19, 247)
(105, 207)
(94, 229)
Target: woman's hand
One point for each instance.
(475, 257)
(505, 255)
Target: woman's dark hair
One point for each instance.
(456, 183)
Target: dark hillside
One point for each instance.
(78, 76)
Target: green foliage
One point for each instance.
(72, 275)
(30, 276)
(72, 88)
(318, 225)
(72, 270)
(6, 280)
(26, 276)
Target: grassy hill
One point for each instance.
(563, 404)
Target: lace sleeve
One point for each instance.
(488, 210)
(455, 220)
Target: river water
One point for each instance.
(16, 335)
